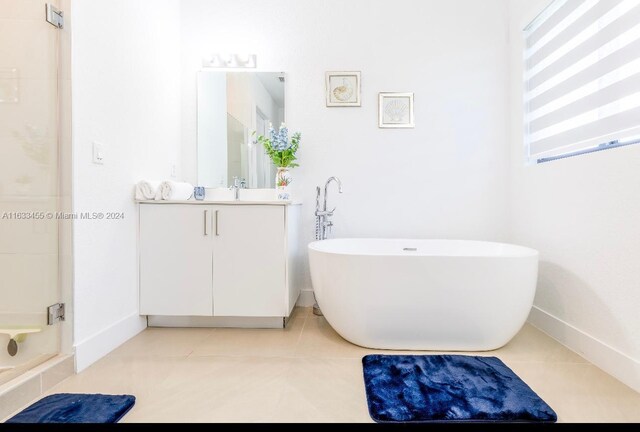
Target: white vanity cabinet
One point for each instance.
(175, 260)
(249, 262)
(218, 260)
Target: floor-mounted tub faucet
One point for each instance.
(323, 224)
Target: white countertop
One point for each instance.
(226, 202)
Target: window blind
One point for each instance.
(582, 78)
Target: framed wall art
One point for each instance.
(343, 89)
(396, 110)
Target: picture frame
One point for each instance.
(395, 110)
(343, 89)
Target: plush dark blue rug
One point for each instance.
(449, 388)
(76, 408)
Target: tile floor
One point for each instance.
(307, 373)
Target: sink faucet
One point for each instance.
(238, 183)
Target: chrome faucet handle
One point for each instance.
(243, 183)
(328, 225)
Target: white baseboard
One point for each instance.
(306, 299)
(610, 360)
(102, 343)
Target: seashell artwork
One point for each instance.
(344, 92)
(396, 111)
(343, 89)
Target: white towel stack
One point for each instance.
(147, 190)
(175, 191)
(166, 190)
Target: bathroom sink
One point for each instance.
(252, 195)
(258, 194)
(218, 194)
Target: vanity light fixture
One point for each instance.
(240, 61)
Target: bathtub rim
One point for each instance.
(510, 250)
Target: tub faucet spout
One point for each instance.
(326, 188)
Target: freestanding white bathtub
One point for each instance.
(440, 295)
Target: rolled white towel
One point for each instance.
(147, 190)
(175, 191)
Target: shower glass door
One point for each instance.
(29, 185)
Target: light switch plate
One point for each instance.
(98, 153)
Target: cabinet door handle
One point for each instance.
(217, 217)
(206, 224)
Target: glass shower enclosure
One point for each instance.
(29, 185)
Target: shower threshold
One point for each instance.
(8, 373)
(27, 384)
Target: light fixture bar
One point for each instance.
(240, 61)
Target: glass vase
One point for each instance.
(283, 180)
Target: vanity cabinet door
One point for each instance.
(249, 262)
(176, 250)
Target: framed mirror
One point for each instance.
(231, 106)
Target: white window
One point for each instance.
(582, 78)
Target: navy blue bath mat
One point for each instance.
(76, 408)
(449, 388)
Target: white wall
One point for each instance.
(582, 215)
(126, 95)
(445, 178)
